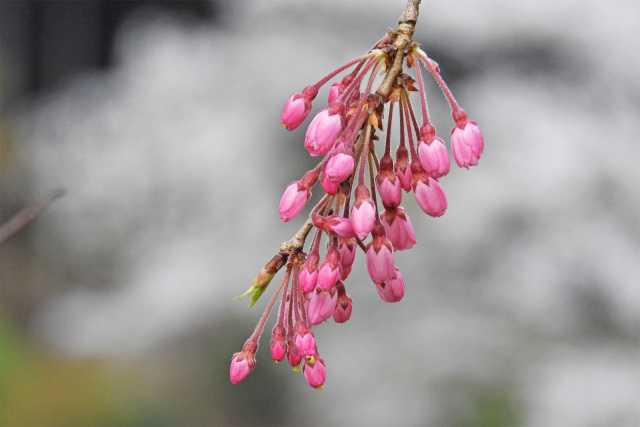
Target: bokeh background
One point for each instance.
(161, 121)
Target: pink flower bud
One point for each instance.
(309, 273)
(402, 168)
(363, 213)
(306, 343)
(329, 186)
(392, 290)
(389, 185)
(315, 373)
(379, 256)
(334, 92)
(323, 132)
(347, 251)
(293, 200)
(344, 272)
(295, 111)
(344, 306)
(293, 357)
(467, 144)
(278, 343)
(334, 225)
(329, 271)
(434, 157)
(321, 306)
(239, 369)
(430, 195)
(399, 228)
(339, 167)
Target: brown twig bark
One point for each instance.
(26, 215)
(406, 27)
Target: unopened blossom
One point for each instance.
(379, 256)
(335, 226)
(293, 200)
(293, 357)
(243, 363)
(321, 306)
(334, 92)
(347, 251)
(309, 273)
(344, 305)
(315, 373)
(402, 168)
(467, 144)
(329, 272)
(339, 167)
(297, 109)
(428, 192)
(278, 343)
(323, 132)
(399, 228)
(393, 289)
(388, 183)
(434, 157)
(305, 341)
(363, 213)
(328, 186)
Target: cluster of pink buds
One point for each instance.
(363, 195)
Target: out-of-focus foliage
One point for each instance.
(40, 388)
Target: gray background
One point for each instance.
(522, 302)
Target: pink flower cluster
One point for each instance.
(363, 196)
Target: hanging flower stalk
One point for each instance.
(363, 193)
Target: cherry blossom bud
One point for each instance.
(309, 273)
(321, 306)
(399, 228)
(347, 251)
(467, 144)
(379, 256)
(293, 200)
(330, 270)
(329, 186)
(389, 185)
(293, 357)
(403, 168)
(363, 213)
(339, 167)
(434, 157)
(243, 363)
(323, 132)
(295, 111)
(334, 225)
(334, 92)
(344, 272)
(344, 306)
(305, 341)
(430, 196)
(392, 290)
(315, 373)
(278, 343)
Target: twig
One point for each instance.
(405, 31)
(26, 215)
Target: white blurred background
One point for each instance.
(522, 305)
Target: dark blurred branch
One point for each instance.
(26, 215)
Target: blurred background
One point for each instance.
(161, 121)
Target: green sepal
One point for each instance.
(257, 288)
